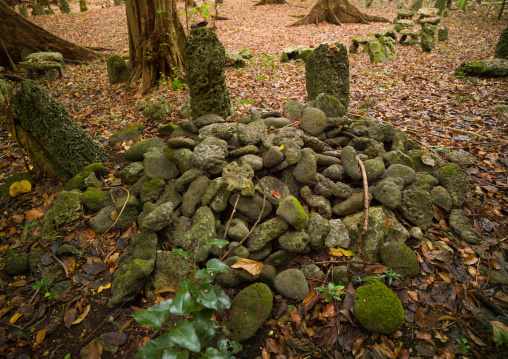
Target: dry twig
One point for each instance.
(366, 204)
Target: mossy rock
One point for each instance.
(454, 180)
(78, 181)
(250, 308)
(118, 69)
(126, 134)
(67, 208)
(291, 210)
(377, 308)
(394, 254)
(17, 264)
(95, 199)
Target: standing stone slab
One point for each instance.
(118, 69)
(54, 131)
(204, 70)
(501, 51)
(327, 70)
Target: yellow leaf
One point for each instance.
(15, 317)
(125, 146)
(4, 310)
(445, 277)
(253, 267)
(40, 336)
(165, 289)
(82, 316)
(102, 287)
(20, 187)
(339, 252)
(281, 147)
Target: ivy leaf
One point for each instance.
(224, 344)
(206, 296)
(155, 347)
(202, 321)
(155, 316)
(222, 298)
(212, 353)
(215, 266)
(183, 304)
(172, 354)
(181, 252)
(185, 335)
(221, 243)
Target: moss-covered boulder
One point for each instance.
(78, 181)
(416, 207)
(396, 254)
(118, 69)
(151, 190)
(292, 283)
(95, 199)
(201, 232)
(137, 150)
(250, 308)
(377, 308)
(56, 143)
(484, 68)
(172, 269)
(67, 208)
(266, 232)
(454, 180)
(327, 71)
(17, 264)
(131, 277)
(291, 210)
(127, 134)
(204, 70)
(157, 111)
(34, 259)
(106, 219)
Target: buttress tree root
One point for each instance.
(18, 33)
(337, 12)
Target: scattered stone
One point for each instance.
(340, 276)
(15, 265)
(312, 271)
(118, 69)
(377, 308)
(95, 199)
(416, 206)
(292, 283)
(67, 208)
(250, 308)
(394, 254)
(486, 68)
(461, 228)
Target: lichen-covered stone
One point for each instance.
(118, 69)
(485, 68)
(136, 151)
(182, 157)
(399, 256)
(292, 283)
(132, 172)
(305, 170)
(294, 241)
(171, 269)
(67, 208)
(266, 232)
(151, 190)
(388, 194)
(159, 218)
(210, 154)
(104, 220)
(397, 170)
(377, 308)
(157, 165)
(338, 235)
(239, 178)
(318, 230)
(374, 168)
(340, 276)
(291, 210)
(15, 265)
(416, 207)
(157, 111)
(313, 121)
(330, 105)
(454, 180)
(292, 109)
(501, 51)
(312, 271)
(193, 195)
(127, 134)
(204, 71)
(351, 205)
(461, 228)
(442, 197)
(318, 203)
(350, 163)
(383, 227)
(251, 207)
(95, 199)
(273, 157)
(375, 51)
(327, 71)
(34, 259)
(250, 308)
(252, 133)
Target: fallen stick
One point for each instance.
(465, 131)
(366, 204)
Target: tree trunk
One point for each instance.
(156, 41)
(337, 12)
(270, 2)
(18, 33)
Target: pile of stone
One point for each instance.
(297, 53)
(50, 64)
(379, 46)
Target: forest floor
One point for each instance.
(418, 92)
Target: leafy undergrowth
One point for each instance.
(450, 307)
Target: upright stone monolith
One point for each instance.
(64, 7)
(502, 46)
(23, 11)
(327, 71)
(204, 70)
(82, 6)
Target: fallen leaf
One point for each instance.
(4, 310)
(339, 252)
(70, 317)
(40, 336)
(253, 267)
(15, 317)
(413, 295)
(329, 310)
(419, 318)
(165, 289)
(295, 317)
(497, 328)
(102, 287)
(276, 194)
(20, 187)
(18, 283)
(33, 214)
(427, 159)
(82, 316)
(94, 351)
(425, 336)
(470, 260)
(446, 277)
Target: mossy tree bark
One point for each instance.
(337, 12)
(156, 41)
(18, 33)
